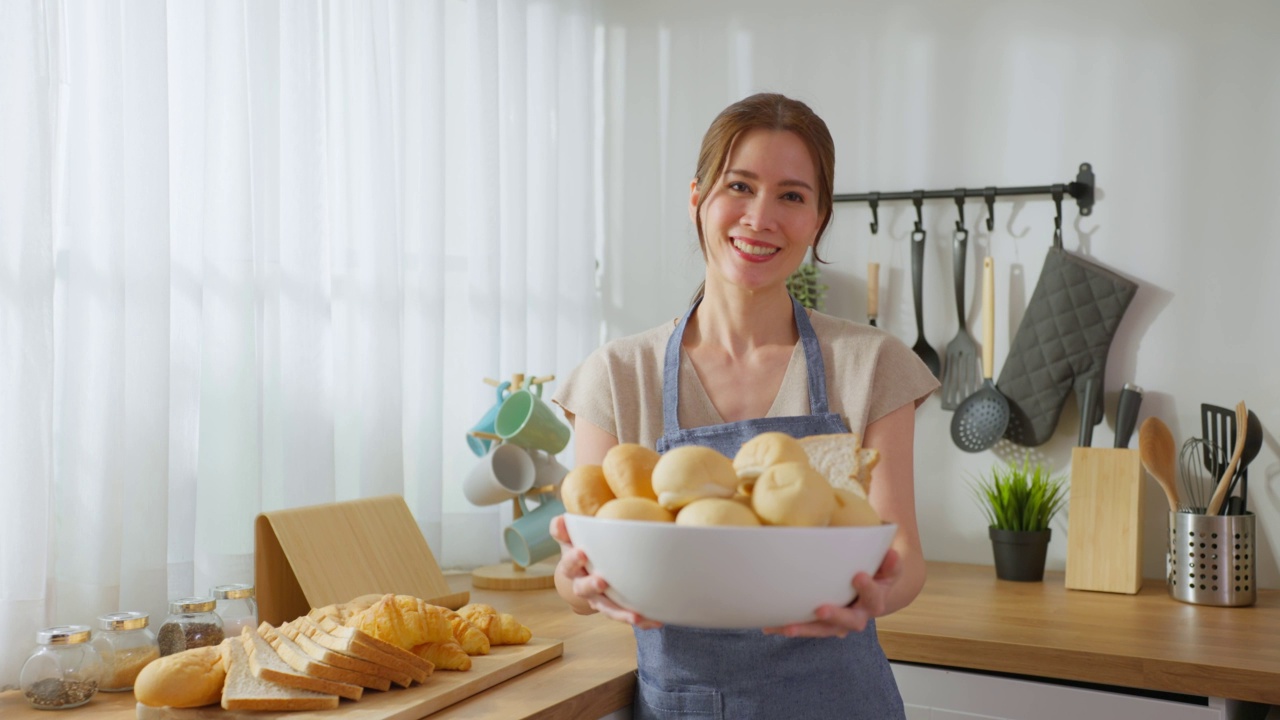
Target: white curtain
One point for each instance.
(260, 254)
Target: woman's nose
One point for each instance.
(760, 214)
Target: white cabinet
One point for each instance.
(931, 693)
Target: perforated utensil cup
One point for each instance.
(1212, 559)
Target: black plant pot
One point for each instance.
(1020, 554)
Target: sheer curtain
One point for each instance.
(257, 255)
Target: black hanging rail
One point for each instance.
(1081, 189)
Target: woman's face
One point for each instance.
(762, 213)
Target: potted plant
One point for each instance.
(805, 286)
(1019, 501)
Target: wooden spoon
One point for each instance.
(1155, 447)
(1242, 425)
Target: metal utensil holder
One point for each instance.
(1212, 559)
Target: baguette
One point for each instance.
(299, 659)
(243, 691)
(187, 679)
(266, 664)
(330, 650)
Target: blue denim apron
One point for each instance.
(741, 674)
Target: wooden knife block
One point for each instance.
(1104, 520)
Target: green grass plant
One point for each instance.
(1020, 497)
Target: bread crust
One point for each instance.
(191, 678)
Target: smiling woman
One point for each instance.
(260, 255)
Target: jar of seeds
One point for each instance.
(126, 645)
(192, 623)
(236, 607)
(64, 670)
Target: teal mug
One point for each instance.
(528, 539)
(480, 446)
(526, 421)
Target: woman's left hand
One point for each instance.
(837, 621)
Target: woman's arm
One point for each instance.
(893, 496)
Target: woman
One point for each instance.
(746, 358)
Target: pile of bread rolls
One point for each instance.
(774, 480)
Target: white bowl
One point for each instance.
(728, 577)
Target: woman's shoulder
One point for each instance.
(643, 343)
(847, 333)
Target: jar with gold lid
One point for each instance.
(191, 623)
(126, 645)
(64, 671)
(237, 607)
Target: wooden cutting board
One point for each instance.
(441, 690)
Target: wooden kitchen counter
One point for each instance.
(965, 618)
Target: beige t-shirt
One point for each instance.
(618, 388)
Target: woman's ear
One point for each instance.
(693, 200)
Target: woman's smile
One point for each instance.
(752, 250)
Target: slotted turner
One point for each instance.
(961, 376)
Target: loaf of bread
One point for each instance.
(266, 664)
(628, 468)
(842, 460)
(242, 690)
(584, 490)
(322, 662)
(191, 678)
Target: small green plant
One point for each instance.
(805, 288)
(1022, 497)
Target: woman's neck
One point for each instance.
(740, 322)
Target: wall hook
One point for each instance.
(918, 199)
(1057, 218)
(874, 202)
(989, 195)
(960, 208)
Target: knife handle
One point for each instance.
(873, 290)
(1127, 413)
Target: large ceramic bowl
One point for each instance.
(728, 577)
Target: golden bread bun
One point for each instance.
(765, 450)
(585, 489)
(793, 494)
(717, 511)
(690, 473)
(628, 468)
(852, 510)
(634, 508)
(191, 678)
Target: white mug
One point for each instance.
(547, 471)
(505, 472)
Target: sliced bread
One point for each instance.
(268, 665)
(335, 655)
(299, 660)
(245, 691)
(395, 651)
(842, 460)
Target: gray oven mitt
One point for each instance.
(1062, 343)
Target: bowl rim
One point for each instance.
(775, 529)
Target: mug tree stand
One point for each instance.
(510, 576)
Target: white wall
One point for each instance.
(1175, 103)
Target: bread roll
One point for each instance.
(690, 473)
(842, 460)
(717, 511)
(634, 508)
(187, 679)
(765, 450)
(585, 489)
(852, 510)
(628, 468)
(793, 494)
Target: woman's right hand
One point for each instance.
(583, 590)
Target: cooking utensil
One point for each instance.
(1218, 426)
(963, 366)
(873, 292)
(1127, 414)
(1252, 446)
(1155, 448)
(1088, 398)
(981, 419)
(1220, 494)
(922, 347)
(1197, 480)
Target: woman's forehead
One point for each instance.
(777, 155)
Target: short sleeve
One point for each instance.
(587, 393)
(900, 377)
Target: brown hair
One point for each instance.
(766, 111)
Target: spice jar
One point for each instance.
(192, 623)
(126, 645)
(237, 608)
(64, 670)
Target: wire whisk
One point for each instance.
(1200, 466)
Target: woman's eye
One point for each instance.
(794, 197)
(739, 186)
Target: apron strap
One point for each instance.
(814, 366)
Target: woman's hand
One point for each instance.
(840, 621)
(583, 590)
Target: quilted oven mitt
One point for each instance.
(1061, 343)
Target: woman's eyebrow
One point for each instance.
(783, 183)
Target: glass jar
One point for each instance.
(126, 645)
(64, 670)
(192, 623)
(237, 608)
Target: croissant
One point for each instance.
(471, 638)
(404, 621)
(501, 628)
(444, 655)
